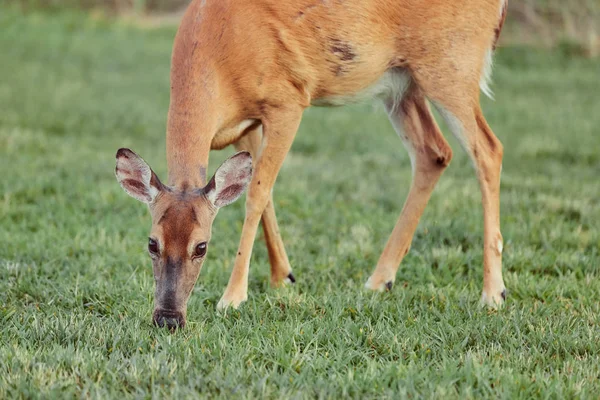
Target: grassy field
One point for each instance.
(76, 285)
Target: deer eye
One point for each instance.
(199, 250)
(152, 246)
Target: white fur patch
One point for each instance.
(488, 62)
(391, 85)
(455, 126)
(245, 124)
(486, 74)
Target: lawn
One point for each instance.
(76, 285)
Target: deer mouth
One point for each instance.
(172, 319)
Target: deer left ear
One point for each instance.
(136, 177)
(230, 180)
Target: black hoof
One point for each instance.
(389, 285)
(503, 294)
(291, 278)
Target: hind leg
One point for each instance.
(456, 96)
(468, 124)
(281, 271)
(430, 154)
(452, 84)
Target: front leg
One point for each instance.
(281, 271)
(279, 131)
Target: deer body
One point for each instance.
(244, 71)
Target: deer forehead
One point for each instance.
(181, 221)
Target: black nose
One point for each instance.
(170, 318)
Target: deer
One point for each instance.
(243, 72)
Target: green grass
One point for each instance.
(76, 285)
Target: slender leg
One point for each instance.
(470, 127)
(281, 270)
(279, 133)
(430, 154)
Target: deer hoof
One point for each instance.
(230, 301)
(378, 285)
(290, 278)
(493, 301)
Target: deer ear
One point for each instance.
(230, 180)
(136, 177)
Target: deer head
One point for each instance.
(181, 225)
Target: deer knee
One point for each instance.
(487, 142)
(439, 155)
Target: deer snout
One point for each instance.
(172, 319)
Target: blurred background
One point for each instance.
(81, 78)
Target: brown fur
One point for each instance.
(235, 60)
(241, 67)
(181, 221)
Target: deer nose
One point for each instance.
(170, 318)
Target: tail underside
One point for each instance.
(486, 75)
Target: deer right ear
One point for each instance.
(230, 180)
(136, 177)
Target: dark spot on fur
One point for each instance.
(259, 182)
(305, 10)
(239, 253)
(342, 50)
(338, 69)
(389, 285)
(344, 56)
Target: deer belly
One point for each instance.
(391, 86)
